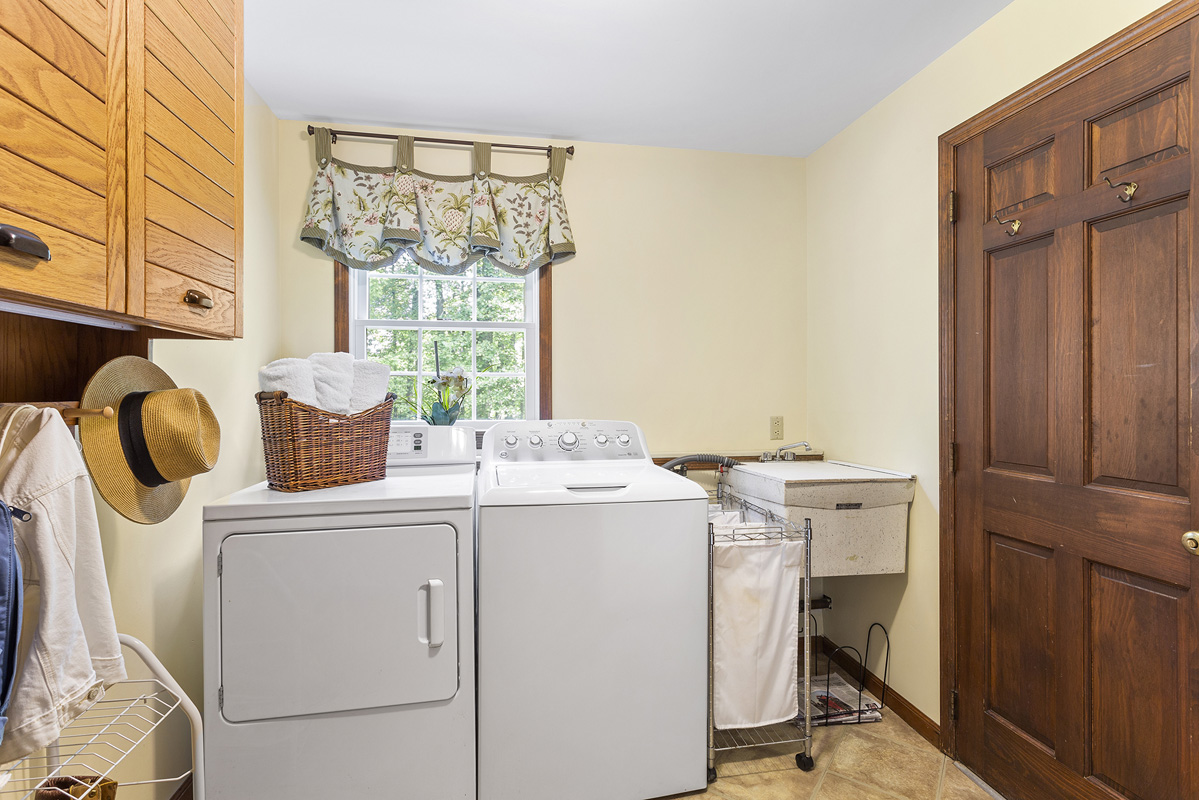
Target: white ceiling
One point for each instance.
(777, 77)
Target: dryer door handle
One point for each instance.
(436, 613)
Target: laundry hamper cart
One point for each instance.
(754, 524)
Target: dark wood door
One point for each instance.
(1077, 361)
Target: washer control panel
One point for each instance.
(420, 444)
(563, 440)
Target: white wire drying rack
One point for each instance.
(99, 740)
(761, 524)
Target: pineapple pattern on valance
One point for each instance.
(368, 217)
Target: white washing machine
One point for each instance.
(339, 633)
(593, 617)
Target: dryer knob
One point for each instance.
(511, 441)
(568, 441)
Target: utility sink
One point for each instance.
(859, 514)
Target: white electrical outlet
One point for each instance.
(776, 428)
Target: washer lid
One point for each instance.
(582, 483)
(432, 490)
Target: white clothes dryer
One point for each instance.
(339, 632)
(593, 616)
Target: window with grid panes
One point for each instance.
(484, 321)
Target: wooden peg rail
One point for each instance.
(71, 412)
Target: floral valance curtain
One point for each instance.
(368, 217)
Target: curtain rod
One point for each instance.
(312, 132)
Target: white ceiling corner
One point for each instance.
(775, 77)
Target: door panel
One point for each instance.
(1021, 688)
(1136, 694)
(1138, 321)
(1076, 362)
(1153, 130)
(1023, 181)
(1021, 376)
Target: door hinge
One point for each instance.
(220, 564)
(953, 458)
(951, 204)
(220, 698)
(953, 704)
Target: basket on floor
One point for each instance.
(309, 448)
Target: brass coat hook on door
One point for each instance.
(1130, 188)
(1015, 223)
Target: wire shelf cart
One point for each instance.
(768, 527)
(95, 743)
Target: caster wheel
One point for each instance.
(805, 762)
(711, 774)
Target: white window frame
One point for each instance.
(360, 320)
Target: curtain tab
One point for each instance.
(324, 146)
(557, 164)
(482, 159)
(405, 153)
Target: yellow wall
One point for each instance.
(154, 571)
(872, 288)
(683, 310)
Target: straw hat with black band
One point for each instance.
(142, 459)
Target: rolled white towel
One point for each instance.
(370, 385)
(291, 375)
(333, 374)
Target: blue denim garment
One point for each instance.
(11, 596)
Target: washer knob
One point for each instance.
(568, 441)
(535, 441)
(511, 441)
(601, 440)
(623, 440)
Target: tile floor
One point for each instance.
(884, 760)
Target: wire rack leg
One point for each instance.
(193, 714)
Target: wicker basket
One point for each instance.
(309, 448)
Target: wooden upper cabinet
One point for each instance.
(122, 150)
(62, 149)
(185, 164)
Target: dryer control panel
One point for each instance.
(563, 440)
(430, 445)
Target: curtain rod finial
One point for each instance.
(311, 130)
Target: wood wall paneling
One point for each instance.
(47, 143)
(214, 27)
(25, 187)
(118, 251)
(164, 301)
(174, 213)
(179, 254)
(196, 42)
(170, 51)
(176, 136)
(175, 97)
(75, 275)
(87, 17)
(43, 86)
(46, 34)
(173, 173)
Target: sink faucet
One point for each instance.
(778, 454)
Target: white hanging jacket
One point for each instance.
(69, 650)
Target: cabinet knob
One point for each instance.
(1190, 542)
(195, 297)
